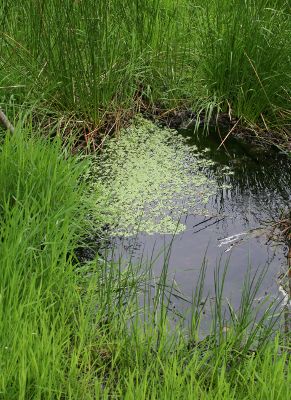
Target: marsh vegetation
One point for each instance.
(98, 63)
(73, 77)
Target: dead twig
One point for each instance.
(5, 122)
(232, 129)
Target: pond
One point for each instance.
(243, 193)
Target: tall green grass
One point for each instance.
(72, 330)
(87, 57)
(93, 59)
(40, 221)
(245, 56)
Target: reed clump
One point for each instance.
(100, 62)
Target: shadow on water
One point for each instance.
(260, 191)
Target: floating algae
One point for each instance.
(150, 177)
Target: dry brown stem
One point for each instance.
(5, 122)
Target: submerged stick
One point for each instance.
(232, 129)
(287, 307)
(5, 122)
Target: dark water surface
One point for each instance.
(260, 192)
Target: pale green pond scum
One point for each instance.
(150, 177)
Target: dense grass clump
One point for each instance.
(41, 215)
(102, 60)
(245, 53)
(86, 57)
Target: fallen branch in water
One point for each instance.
(5, 122)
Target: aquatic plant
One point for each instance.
(151, 177)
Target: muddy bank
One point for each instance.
(258, 137)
